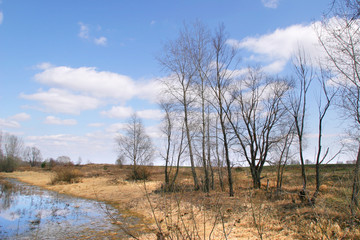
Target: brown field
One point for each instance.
(188, 214)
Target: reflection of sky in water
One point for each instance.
(26, 209)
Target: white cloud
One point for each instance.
(150, 114)
(95, 124)
(76, 89)
(270, 3)
(1, 17)
(118, 112)
(154, 131)
(13, 121)
(58, 121)
(90, 81)
(275, 67)
(20, 117)
(7, 123)
(103, 146)
(74, 146)
(275, 49)
(84, 31)
(125, 112)
(152, 22)
(116, 127)
(100, 41)
(43, 66)
(58, 137)
(62, 101)
(149, 90)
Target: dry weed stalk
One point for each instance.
(256, 215)
(177, 216)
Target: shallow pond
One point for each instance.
(29, 212)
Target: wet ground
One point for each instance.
(29, 212)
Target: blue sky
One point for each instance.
(71, 72)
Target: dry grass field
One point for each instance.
(187, 214)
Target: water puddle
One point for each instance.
(29, 212)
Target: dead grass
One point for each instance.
(251, 214)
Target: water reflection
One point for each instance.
(30, 212)
(6, 190)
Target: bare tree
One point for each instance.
(32, 155)
(340, 38)
(282, 153)
(198, 41)
(134, 144)
(256, 118)
(304, 75)
(13, 146)
(327, 94)
(220, 82)
(12, 153)
(179, 85)
(64, 160)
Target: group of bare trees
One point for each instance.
(226, 115)
(194, 98)
(216, 114)
(220, 113)
(13, 152)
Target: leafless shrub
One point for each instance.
(139, 173)
(66, 174)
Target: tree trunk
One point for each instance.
(278, 178)
(355, 189)
(226, 147)
(187, 129)
(227, 158)
(167, 161)
(302, 193)
(209, 150)
(317, 178)
(219, 164)
(303, 173)
(166, 175)
(172, 184)
(255, 174)
(206, 172)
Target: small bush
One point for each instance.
(43, 164)
(8, 164)
(139, 173)
(66, 174)
(119, 162)
(239, 169)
